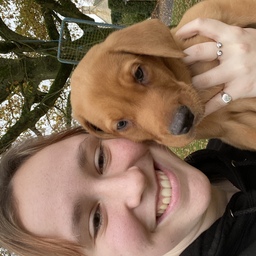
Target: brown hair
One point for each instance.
(12, 236)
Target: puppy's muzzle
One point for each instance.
(182, 121)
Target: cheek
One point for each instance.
(124, 234)
(126, 148)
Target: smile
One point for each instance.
(164, 193)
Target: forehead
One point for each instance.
(102, 67)
(97, 59)
(41, 186)
(102, 88)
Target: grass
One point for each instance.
(179, 7)
(194, 146)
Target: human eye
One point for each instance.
(100, 159)
(97, 221)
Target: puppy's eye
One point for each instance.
(139, 74)
(121, 125)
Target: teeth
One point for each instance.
(163, 176)
(165, 193)
(165, 183)
(160, 213)
(166, 200)
(163, 207)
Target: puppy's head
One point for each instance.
(134, 85)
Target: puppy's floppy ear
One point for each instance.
(150, 37)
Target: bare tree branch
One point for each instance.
(29, 119)
(64, 8)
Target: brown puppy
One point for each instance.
(135, 85)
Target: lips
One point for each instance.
(164, 193)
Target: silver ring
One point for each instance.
(219, 52)
(226, 98)
(219, 44)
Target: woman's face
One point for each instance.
(114, 196)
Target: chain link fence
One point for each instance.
(78, 36)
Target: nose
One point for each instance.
(126, 187)
(182, 121)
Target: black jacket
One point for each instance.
(234, 234)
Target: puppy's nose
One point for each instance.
(182, 121)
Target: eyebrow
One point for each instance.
(77, 209)
(76, 217)
(81, 155)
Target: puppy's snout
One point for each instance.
(182, 121)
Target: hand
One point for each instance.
(237, 68)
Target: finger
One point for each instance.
(215, 103)
(204, 27)
(200, 52)
(242, 87)
(218, 75)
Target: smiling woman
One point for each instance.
(90, 175)
(74, 194)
